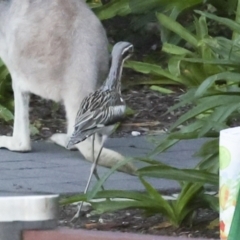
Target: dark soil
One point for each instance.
(148, 118)
(137, 222)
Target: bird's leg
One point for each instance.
(93, 140)
(94, 167)
(92, 171)
(104, 138)
(88, 183)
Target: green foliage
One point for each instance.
(188, 66)
(212, 68)
(113, 8)
(161, 89)
(177, 211)
(141, 8)
(172, 34)
(6, 99)
(173, 8)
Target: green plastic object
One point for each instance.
(234, 232)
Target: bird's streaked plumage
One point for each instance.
(99, 110)
(105, 106)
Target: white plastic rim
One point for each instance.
(28, 208)
(232, 133)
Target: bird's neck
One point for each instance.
(113, 80)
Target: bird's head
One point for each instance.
(123, 49)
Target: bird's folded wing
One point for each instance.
(99, 118)
(91, 122)
(94, 101)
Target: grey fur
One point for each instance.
(56, 49)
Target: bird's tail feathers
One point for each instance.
(79, 137)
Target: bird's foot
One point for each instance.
(78, 213)
(75, 217)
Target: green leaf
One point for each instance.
(225, 48)
(33, 130)
(203, 29)
(109, 206)
(227, 76)
(212, 201)
(207, 148)
(129, 111)
(99, 184)
(113, 8)
(209, 102)
(193, 72)
(223, 7)
(162, 81)
(124, 195)
(184, 135)
(177, 28)
(144, 6)
(94, 3)
(3, 72)
(206, 51)
(161, 89)
(210, 162)
(226, 21)
(73, 199)
(190, 175)
(175, 6)
(188, 192)
(107, 194)
(174, 66)
(175, 50)
(150, 161)
(153, 193)
(235, 34)
(188, 132)
(158, 198)
(148, 68)
(163, 146)
(217, 120)
(226, 62)
(185, 99)
(6, 114)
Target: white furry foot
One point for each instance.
(14, 144)
(108, 158)
(61, 139)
